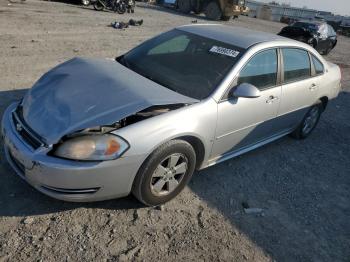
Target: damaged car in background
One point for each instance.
(317, 34)
(96, 129)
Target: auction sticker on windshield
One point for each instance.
(224, 51)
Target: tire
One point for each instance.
(213, 11)
(121, 8)
(329, 49)
(85, 2)
(301, 132)
(149, 186)
(225, 18)
(184, 6)
(98, 6)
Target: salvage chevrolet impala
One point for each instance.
(95, 129)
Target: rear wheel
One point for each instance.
(184, 6)
(213, 11)
(165, 173)
(309, 122)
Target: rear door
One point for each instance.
(299, 88)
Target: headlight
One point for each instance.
(92, 147)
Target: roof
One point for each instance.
(238, 36)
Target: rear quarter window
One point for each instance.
(296, 64)
(319, 68)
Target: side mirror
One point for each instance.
(246, 90)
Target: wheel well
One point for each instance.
(324, 101)
(335, 43)
(198, 147)
(205, 3)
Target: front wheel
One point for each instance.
(121, 8)
(213, 11)
(165, 173)
(98, 6)
(184, 6)
(309, 122)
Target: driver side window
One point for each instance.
(261, 70)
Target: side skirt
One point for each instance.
(246, 149)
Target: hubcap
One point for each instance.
(168, 174)
(310, 120)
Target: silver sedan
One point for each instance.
(96, 129)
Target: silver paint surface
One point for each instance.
(97, 92)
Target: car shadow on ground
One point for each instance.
(301, 187)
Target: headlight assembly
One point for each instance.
(92, 147)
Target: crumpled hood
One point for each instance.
(83, 93)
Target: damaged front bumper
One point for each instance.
(68, 180)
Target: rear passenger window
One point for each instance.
(318, 65)
(296, 64)
(261, 70)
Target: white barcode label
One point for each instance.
(224, 51)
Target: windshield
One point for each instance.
(308, 26)
(186, 63)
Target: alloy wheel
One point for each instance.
(310, 120)
(168, 174)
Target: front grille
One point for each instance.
(24, 131)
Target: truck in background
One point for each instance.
(214, 9)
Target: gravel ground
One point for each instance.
(302, 186)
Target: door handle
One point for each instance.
(271, 99)
(312, 87)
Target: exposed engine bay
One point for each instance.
(137, 117)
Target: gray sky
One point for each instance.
(341, 7)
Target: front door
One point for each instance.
(246, 121)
